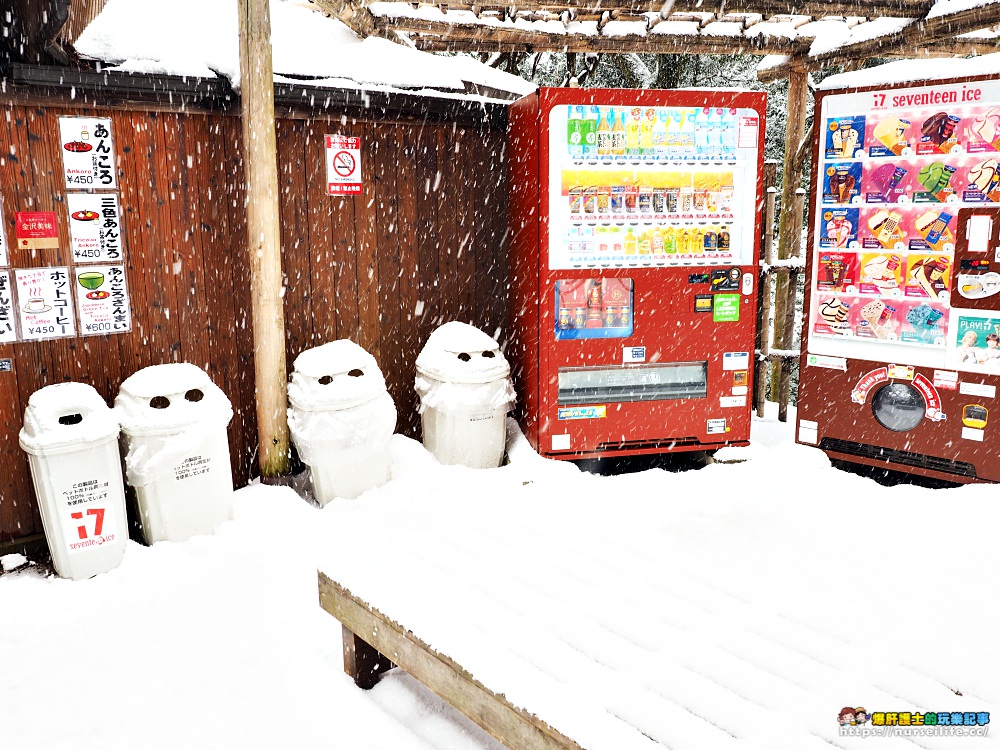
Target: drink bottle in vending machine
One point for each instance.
(634, 268)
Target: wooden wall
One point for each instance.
(424, 244)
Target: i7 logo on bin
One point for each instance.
(91, 529)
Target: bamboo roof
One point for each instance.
(802, 35)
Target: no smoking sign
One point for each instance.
(343, 165)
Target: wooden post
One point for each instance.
(790, 221)
(763, 366)
(788, 334)
(264, 235)
(363, 663)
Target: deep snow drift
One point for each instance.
(831, 590)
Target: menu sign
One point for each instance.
(7, 332)
(4, 260)
(895, 166)
(102, 299)
(94, 227)
(36, 230)
(45, 306)
(88, 153)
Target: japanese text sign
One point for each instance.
(88, 153)
(343, 165)
(102, 300)
(94, 227)
(45, 304)
(7, 333)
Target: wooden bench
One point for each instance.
(374, 643)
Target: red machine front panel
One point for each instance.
(901, 355)
(635, 302)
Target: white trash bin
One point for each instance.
(341, 418)
(465, 393)
(71, 438)
(174, 419)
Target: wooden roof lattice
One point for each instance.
(807, 34)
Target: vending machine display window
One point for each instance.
(593, 308)
(654, 382)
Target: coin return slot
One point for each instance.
(159, 402)
(70, 419)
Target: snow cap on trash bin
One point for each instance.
(461, 353)
(337, 375)
(166, 398)
(66, 414)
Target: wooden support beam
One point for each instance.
(764, 286)
(814, 8)
(363, 663)
(260, 162)
(439, 36)
(790, 221)
(915, 35)
(352, 13)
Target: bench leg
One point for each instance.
(362, 662)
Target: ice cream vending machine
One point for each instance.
(900, 362)
(634, 251)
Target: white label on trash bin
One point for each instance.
(193, 466)
(87, 520)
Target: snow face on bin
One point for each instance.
(66, 414)
(337, 396)
(178, 400)
(461, 367)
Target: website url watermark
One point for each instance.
(936, 731)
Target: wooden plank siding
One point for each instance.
(383, 268)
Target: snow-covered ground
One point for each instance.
(220, 642)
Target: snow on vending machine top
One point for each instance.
(635, 225)
(900, 363)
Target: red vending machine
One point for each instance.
(900, 362)
(634, 246)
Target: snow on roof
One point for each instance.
(835, 38)
(200, 38)
(945, 7)
(901, 71)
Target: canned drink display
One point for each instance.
(580, 317)
(700, 199)
(624, 314)
(686, 199)
(631, 199)
(724, 240)
(594, 294)
(617, 199)
(575, 200)
(565, 317)
(645, 200)
(672, 196)
(711, 241)
(603, 200)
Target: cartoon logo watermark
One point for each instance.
(857, 722)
